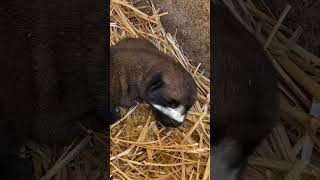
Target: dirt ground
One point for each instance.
(190, 21)
(304, 14)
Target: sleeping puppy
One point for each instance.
(141, 73)
(246, 101)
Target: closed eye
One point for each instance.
(156, 85)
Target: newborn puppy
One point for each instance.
(246, 101)
(141, 73)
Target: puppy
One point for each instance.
(141, 73)
(246, 101)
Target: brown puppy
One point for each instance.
(141, 73)
(246, 102)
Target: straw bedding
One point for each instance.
(141, 148)
(280, 155)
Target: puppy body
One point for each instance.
(141, 73)
(246, 103)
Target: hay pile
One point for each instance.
(280, 156)
(141, 148)
(81, 160)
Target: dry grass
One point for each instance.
(141, 148)
(81, 160)
(280, 155)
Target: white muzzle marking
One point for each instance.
(174, 113)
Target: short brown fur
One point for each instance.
(135, 63)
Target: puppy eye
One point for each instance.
(156, 85)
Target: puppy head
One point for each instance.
(171, 91)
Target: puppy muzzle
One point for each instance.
(170, 117)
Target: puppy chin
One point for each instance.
(166, 120)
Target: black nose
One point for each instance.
(166, 120)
